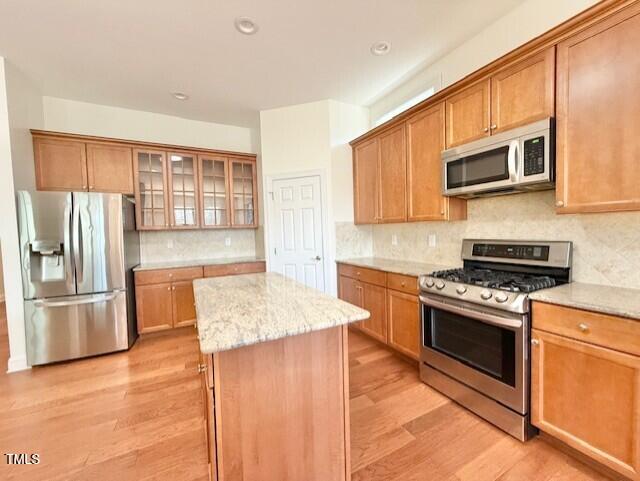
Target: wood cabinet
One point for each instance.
(598, 133)
(392, 177)
(586, 394)
(183, 302)
(110, 168)
(217, 270)
(183, 194)
(67, 164)
(468, 114)
(365, 182)
(154, 307)
(243, 188)
(404, 322)
(392, 299)
(213, 172)
(150, 176)
(425, 143)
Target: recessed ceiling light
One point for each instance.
(380, 48)
(246, 26)
(180, 95)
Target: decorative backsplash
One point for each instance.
(196, 244)
(606, 246)
(353, 240)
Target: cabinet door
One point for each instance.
(524, 92)
(597, 103)
(365, 182)
(425, 143)
(404, 323)
(182, 172)
(150, 177)
(467, 114)
(183, 302)
(153, 307)
(243, 188)
(392, 165)
(60, 164)
(350, 290)
(214, 191)
(110, 168)
(589, 398)
(375, 301)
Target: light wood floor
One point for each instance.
(138, 416)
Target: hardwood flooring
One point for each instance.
(138, 416)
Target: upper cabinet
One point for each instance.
(425, 142)
(392, 167)
(152, 204)
(598, 104)
(182, 172)
(243, 187)
(365, 182)
(213, 174)
(518, 94)
(467, 114)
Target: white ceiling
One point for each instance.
(133, 53)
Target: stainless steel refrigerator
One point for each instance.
(77, 252)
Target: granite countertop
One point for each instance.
(616, 301)
(235, 311)
(149, 266)
(407, 268)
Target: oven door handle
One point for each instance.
(492, 319)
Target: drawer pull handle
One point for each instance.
(202, 368)
(583, 327)
(403, 283)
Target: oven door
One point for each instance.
(486, 350)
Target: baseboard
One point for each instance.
(16, 364)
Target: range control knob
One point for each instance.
(501, 297)
(429, 282)
(439, 285)
(486, 295)
(461, 290)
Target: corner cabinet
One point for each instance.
(598, 121)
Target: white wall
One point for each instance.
(523, 23)
(314, 137)
(20, 109)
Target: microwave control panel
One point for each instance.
(534, 156)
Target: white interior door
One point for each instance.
(296, 230)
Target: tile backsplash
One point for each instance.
(606, 246)
(353, 240)
(196, 244)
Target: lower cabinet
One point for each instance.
(154, 310)
(183, 302)
(392, 300)
(584, 394)
(404, 322)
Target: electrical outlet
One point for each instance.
(170, 244)
(431, 239)
(227, 241)
(394, 240)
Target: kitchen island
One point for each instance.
(275, 378)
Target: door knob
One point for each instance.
(316, 258)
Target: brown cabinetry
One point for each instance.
(182, 179)
(366, 182)
(392, 167)
(404, 322)
(584, 391)
(243, 187)
(154, 307)
(232, 269)
(598, 100)
(468, 114)
(374, 300)
(110, 168)
(213, 172)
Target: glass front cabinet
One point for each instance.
(194, 190)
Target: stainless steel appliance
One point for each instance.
(518, 160)
(476, 326)
(77, 254)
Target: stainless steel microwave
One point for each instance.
(517, 160)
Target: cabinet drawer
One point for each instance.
(363, 274)
(231, 269)
(167, 275)
(594, 328)
(398, 282)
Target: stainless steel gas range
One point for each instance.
(476, 326)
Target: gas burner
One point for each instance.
(496, 279)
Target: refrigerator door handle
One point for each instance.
(92, 299)
(77, 244)
(68, 234)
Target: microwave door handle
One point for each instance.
(492, 319)
(512, 159)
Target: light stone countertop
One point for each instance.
(235, 311)
(407, 268)
(616, 301)
(149, 266)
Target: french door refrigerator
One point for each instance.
(77, 252)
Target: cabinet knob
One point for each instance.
(559, 203)
(535, 342)
(202, 368)
(583, 327)
(173, 288)
(486, 129)
(170, 274)
(84, 186)
(402, 283)
(494, 126)
(169, 288)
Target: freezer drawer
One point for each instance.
(71, 327)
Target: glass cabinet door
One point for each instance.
(243, 182)
(183, 171)
(214, 190)
(151, 189)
